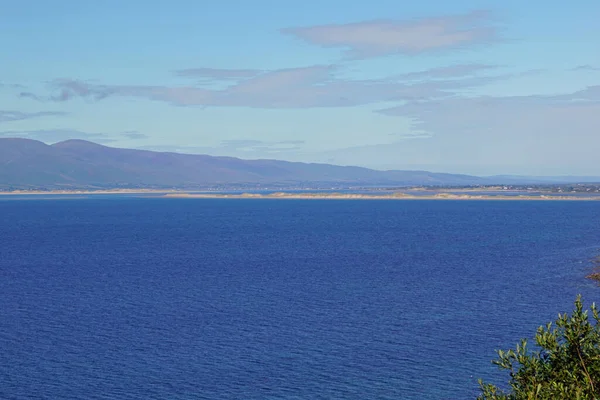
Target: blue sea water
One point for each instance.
(142, 298)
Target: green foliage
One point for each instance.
(566, 366)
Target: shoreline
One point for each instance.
(79, 192)
(179, 194)
(396, 196)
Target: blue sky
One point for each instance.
(480, 87)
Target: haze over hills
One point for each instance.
(75, 164)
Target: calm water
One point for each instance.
(125, 298)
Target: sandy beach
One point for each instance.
(395, 196)
(176, 194)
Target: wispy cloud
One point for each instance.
(11, 86)
(262, 146)
(134, 135)
(69, 88)
(57, 135)
(411, 135)
(540, 134)
(218, 73)
(537, 135)
(245, 148)
(451, 71)
(558, 127)
(33, 96)
(8, 116)
(386, 37)
(303, 87)
(585, 68)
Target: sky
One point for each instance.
(463, 86)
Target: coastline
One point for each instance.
(594, 275)
(395, 196)
(179, 194)
(80, 192)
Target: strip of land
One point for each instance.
(87, 191)
(404, 195)
(357, 196)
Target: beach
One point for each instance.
(400, 195)
(357, 196)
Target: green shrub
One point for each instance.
(565, 366)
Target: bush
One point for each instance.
(566, 364)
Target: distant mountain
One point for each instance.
(75, 164)
(80, 164)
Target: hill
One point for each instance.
(72, 164)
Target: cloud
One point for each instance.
(69, 89)
(8, 116)
(530, 131)
(451, 71)
(488, 112)
(58, 135)
(243, 148)
(262, 146)
(303, 87)
(386, 37)
(134, 135)
(412, 135)
(30, 95)
(585, 68)
(218, 74)
(11, 86)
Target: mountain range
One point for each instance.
(78, 164)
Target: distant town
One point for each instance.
(538, 188)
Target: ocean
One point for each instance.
(118, 297)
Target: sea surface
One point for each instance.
(119, 297)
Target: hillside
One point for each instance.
(74, 164)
